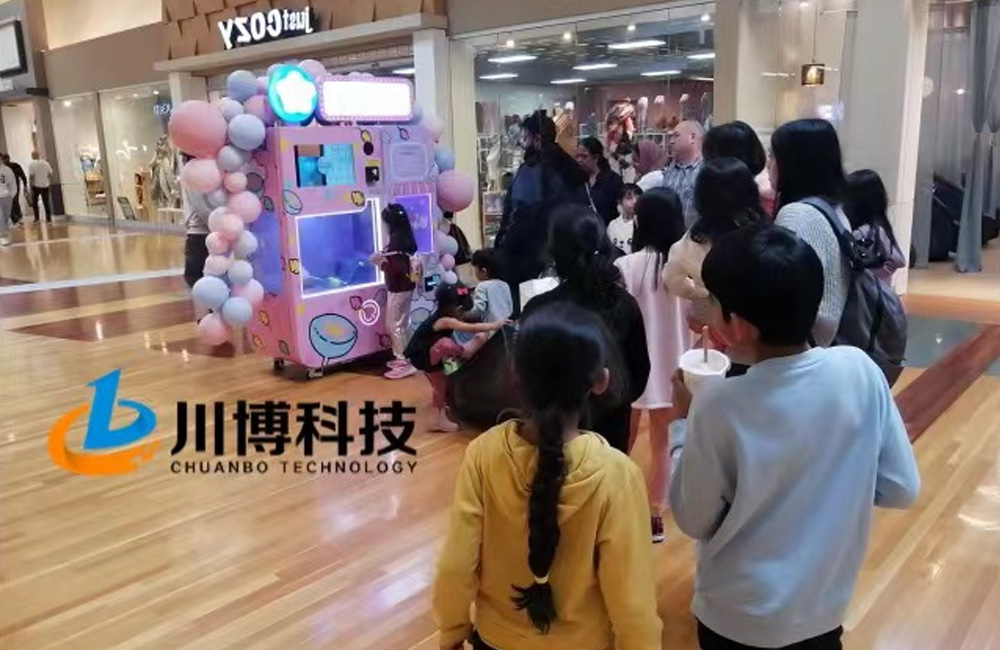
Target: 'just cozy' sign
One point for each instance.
(266, 26)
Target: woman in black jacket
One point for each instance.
(603, 186)
(584, 260)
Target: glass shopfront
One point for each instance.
(74, 123)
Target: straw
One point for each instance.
(704, 342)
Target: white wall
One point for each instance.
(72, 21)
(19, 124)
(75, 129)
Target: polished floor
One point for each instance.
(290, 559)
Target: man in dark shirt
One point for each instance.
(22, 181)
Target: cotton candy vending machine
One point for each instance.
(324, 300)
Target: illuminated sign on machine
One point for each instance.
(292, 94)
(375, 99)
(266, 26)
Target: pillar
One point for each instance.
(185, 86)
(464, 134)
(432, 61)
(882, 125)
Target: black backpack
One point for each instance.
(874, 319)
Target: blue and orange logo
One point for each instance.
(105, 451)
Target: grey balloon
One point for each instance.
(232, 159)
(217, 199)
(247, 132)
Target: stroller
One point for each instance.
(484, 387)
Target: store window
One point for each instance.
(623, 80)
(74, 123)
(142, 164)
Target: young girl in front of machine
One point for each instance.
(396, 262)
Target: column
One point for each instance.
(882, 125)
(185, 86)
(464, 132)
(432, 61)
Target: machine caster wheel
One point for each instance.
(279, 365)
(314, 373)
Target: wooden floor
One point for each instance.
(156, 560)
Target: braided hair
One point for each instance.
(561, 352)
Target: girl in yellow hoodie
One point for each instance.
(549, 534)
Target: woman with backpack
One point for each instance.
(867, 208)
(807, 172)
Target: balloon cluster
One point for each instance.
(221, 138)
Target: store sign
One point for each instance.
(265, 26)
(162, 109)
(356, 99)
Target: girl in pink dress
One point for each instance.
(659, 224)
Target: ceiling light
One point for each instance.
(703, 78)
(498, 76)
(67, 103)
(405, 71)
(804, 4)
(636, 45)
(775, 74)
(135, 95)
(705, 18)
(631, 27)
(562, 82)
(510, 42)
(704, 56)
(960, 91)
(567, 36)
(595, 66)
(156, 92)
(660, 73)
(513, 58)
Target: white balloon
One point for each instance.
(246, 245)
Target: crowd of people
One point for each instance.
(774, 470)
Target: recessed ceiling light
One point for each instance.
(562, 82)
(498, 76)
(405, 71)
(775, 74)
(636, 45)
(156, 92)
(960, 91)
(67, 103)
(804, 4)
(631, 27)
(702, 57)
(135, 95)
(595, 66)
(510, 42)
(703, 78)
(660, 73)
(567, 36)
(705, 18)
(513, 58)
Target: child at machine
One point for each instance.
(622, 230)
(659, 224)
(433, 347)
(548, 533)
(396, 262)
(775, 473)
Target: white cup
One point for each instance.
(698, 374)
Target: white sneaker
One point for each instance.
(441, 423)
(4, 241)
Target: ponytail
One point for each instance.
(543, 524)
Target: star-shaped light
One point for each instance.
(292, 94)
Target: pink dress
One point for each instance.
(664, 315)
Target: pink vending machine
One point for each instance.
(324, 188)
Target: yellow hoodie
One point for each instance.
(602, 576)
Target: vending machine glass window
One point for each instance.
(334, 250)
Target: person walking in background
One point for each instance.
(603, 186)
(867, 208)
(807, 164)
(549, 534)
(680, 175)
(739, 140)
(775, 473)
(546, 179)
(659, 224)
(8, 188)
(584, 262)
(40, 176)
(22, 185)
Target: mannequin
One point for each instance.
(163, 176)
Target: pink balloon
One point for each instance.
(262, 85)
(259, 106)
(213, 330)
(197, 128)
(315, 69)
(456, 190)
(217, 218)
(447, 262)
(217, 265)
(236, 182)
(232, 228)
(246, 205)
(201, 176)
(253, 291)
(216, 243)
